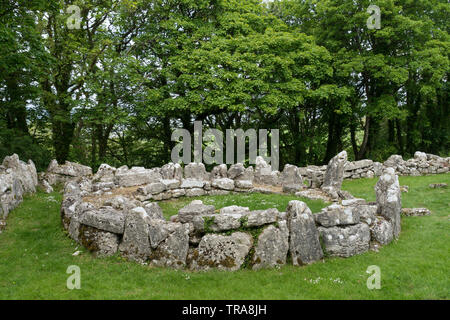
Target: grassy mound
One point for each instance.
(35, 254)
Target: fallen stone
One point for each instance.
(415, 212)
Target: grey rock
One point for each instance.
(171, 183)
(171, 246)
(195, 208)
(261, 217)
(235, 170)
(152, 188)
(291, 179)
(195, 171)
(243, 184)
(234, 209)
(195, 192)
(217, 222)
(219, 172)
(415, 212)
(172, 171)
(388, 197)
(106, 219)
(367, 213)
(304, 244)
(335, 172)
(272, 247)
(135, 244)
(223, 183)
(101, 243)
(381, 231)
(337, 215)
(154, 211)
(105, 173)
(345, 241)
(192, 183)
(136, 176)
(221, 252)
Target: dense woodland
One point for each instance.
(114, 89)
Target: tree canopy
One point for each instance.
(114, 89)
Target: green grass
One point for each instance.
(35, 253)
(255, 201)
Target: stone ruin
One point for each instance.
(117, 211)
(16, 179)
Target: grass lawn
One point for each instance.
(35, 254)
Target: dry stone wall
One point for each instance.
(16, 179)
(117, 211)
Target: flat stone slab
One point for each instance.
(337, 215)
(221, 252)
(106, 219)
(415, 212)
(345, 241)
(195, 208)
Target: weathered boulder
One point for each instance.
(221, 252)
(11, 193)
(272, 247)
(151, 188)
(345, 241)
(106, 219)
(235, 170)
(243, 184)
(136, 176)
(263, 173)
(195, 192)
(57, 173)
(415, 212)
(367, 213)
(154, 211)
(420, 156)
(171, 184)
(135, 244)
(388, 197)
(381, 231)
(304, 244)
(170, 243)
(337, 215)
(291, 179)
(219, 172)
(101, 243)
(195, 208)
(46, 187)
(223, 183)
(105, 173)
(258, 218)
(335, 174)
(234, 209)
(172, 171)
(217, 222)
(394, 161)
(25, 173)
(196, 171)
(192, 183)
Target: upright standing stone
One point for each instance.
(335, 174)
(389, 203)
(272, 248)
(304, 244)
(291, 179)
(135, 244)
